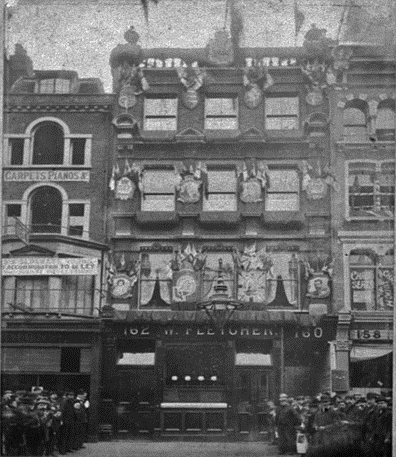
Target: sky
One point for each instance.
(80, 34)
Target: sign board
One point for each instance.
(46, 175)
(371, 335)
(54, 266)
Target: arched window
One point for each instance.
(386, 124)
(46, 210)
(355, 122)
(48, 144)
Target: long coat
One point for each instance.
(286, 421)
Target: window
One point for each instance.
(76, 219)
(13, 212)
(221, 113)
(355, 123)
(160, 113)
(16, 146)
(283, 191)
(221, 191)
(54, 86)
(155, 280)
(371, 189)
(371, 280)
(158, 190)
(282, 113)
(77, 294)
(46, 210)
(78, 151)
(32, 292)
(284, 273)
(386, 123)
(48, 144)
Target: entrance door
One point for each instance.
(136, 397)
(254, 387)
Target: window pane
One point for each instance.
(220, 202)
(78, 151)
(362, 288)
(47, 86)
(76, 209)
(282, 202)
(221, 106)
(62, 86)
(155, 270)
(46, 210)
(14, 210)
(386, 118)
(354, 116)
(16, 150)
(355, 134)
(48, 144)
(283, 181)
(281, 123)
(160, 124)
(158, 203)
(281, 106)
(159, 181)
(32, 292)
(160, 106)
(221, 181)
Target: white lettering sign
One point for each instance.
(32, 266)
(46, 175)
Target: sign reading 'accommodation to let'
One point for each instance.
(32, 266)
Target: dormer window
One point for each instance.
(221, 113)
(160, 113)
(54, 86)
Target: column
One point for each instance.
(340, 376)
(94, 389)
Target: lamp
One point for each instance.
(220, 307)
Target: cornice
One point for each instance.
(36, 108)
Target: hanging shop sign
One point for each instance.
(46, 175)
(38, 266)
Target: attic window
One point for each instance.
(54, 86)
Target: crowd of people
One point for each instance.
(42, 423)
(333, 425)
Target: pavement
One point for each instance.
(124, 448)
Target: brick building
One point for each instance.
(57, 134)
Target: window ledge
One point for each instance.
(219, 217)
(157, 217)
(289, 219)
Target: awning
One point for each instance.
(369, 352)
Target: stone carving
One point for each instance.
(254, 178)
(315, 182)
(256, 81)
(189, 186)
(124, 184)
(192, 79)
(122, 278)
(220, 50)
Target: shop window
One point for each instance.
(373, 370)
(371, 280)
(221, 194)
(158, 190)
(48, 144)
(31, 293)
(284, 274)
(386, 122)
(160, 113)
(77, 219)
(155, 280)
(46, 210)
(371, 189)
(283, 191)
(77, 294)
(54, 86)
(282, 113)
(355, 122)
(15, 150)
(221, 113)
(216, 261)
(30, 359)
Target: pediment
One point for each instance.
(190, 134)
(32, 250)
(252, 134)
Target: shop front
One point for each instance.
(186, 379)
(371, 366)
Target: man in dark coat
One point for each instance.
(286, 421)
(369, 424)
(67, 427)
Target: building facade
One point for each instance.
(57, 134)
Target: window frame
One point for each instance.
(144, 193)
(39, 84)
(234, 99)
(297, 116)
(207, 193)
(276, 167)
(378, 170)
(159, 117)
(361, 106)
(84, 219)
